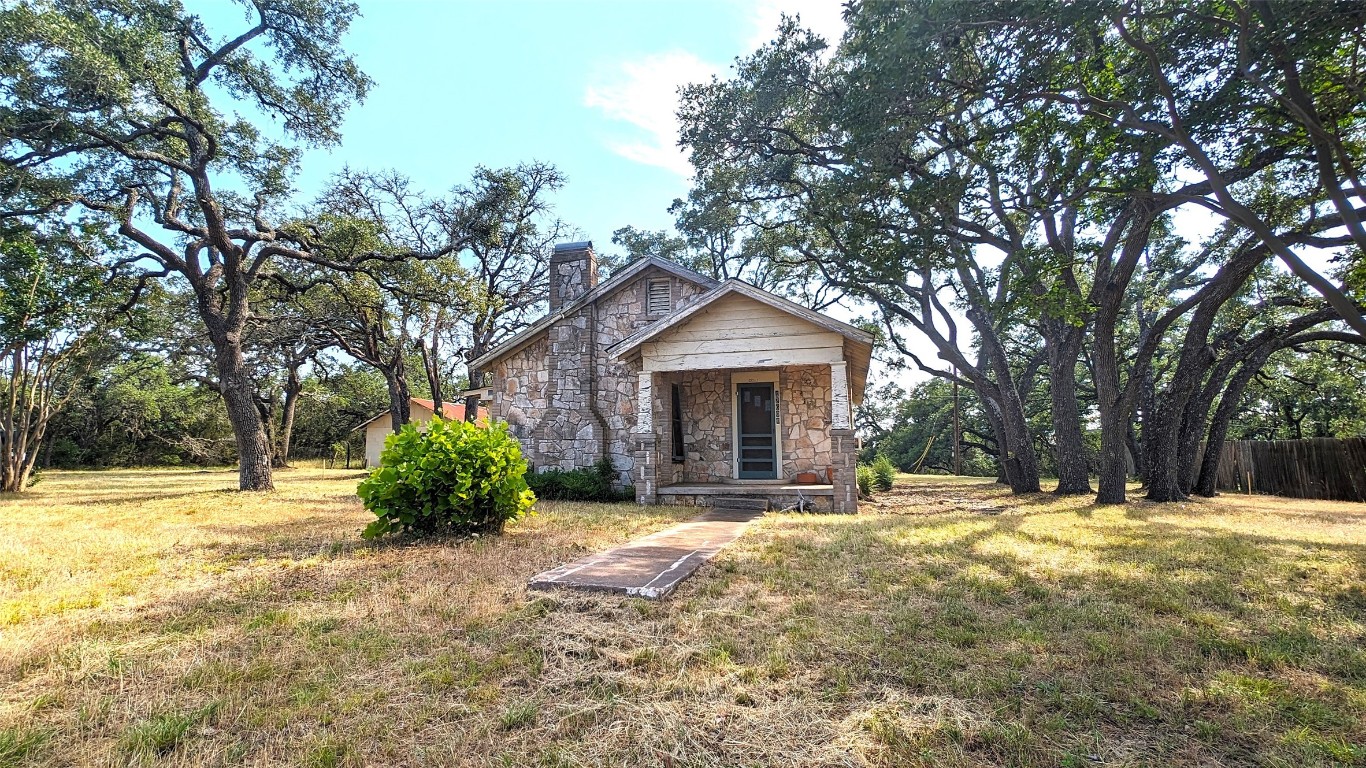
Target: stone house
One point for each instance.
(693, 389)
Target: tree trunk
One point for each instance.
(1113, 476)
(1016, 458)
(1170, 454)
(399, 412)
(1162, 437)
(472, 401)
(1113, 400)
(1223, 417)
(1022, 463)
(239, 393)
(432, 367)
(1135, 452)
(253, 445)
(1188, 447)
(1073, 467)
(293, 386)
(1197, 420)
(1017, 452)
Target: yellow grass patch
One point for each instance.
(161, 618)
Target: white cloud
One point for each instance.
(824, 17)
(644, 93)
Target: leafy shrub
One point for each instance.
(864, 474)
(590, 484)
(453, 478)
(884, 473)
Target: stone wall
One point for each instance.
(707, 438)
(777, 500)
(806, 419)
(566, 400)
(519, 383)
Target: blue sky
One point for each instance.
(588, 86)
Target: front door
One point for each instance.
(756, 442)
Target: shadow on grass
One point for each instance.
(1049, 633)
(1089, 626)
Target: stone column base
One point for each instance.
(646, 470)
(844, 456)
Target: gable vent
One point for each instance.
(658, 299)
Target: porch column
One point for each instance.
(647, 458)
(844, 457)
(843, 443)
(839, 397)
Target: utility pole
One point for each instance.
(957, 429)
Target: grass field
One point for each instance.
(158, 618)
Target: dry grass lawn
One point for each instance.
(157, 618)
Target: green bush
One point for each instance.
(453, 478)
(865, 476)
(884, 473)
(590, 484)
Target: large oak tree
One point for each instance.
(185, 140)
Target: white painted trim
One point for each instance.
(751, 377)
(756, 377)
(650, 361)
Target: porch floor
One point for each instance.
(750, 488)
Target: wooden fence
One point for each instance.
(1320, 468)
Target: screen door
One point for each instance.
(756, 441)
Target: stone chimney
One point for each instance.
(573, 272)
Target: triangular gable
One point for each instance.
(681, 317)
(857, 344)
(605, 288)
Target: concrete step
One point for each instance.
(759, 503)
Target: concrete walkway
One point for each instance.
(652, 566)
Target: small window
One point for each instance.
(659, 298)
(677, 431)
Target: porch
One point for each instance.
(745, 396)
(717, 436)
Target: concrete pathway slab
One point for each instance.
(652, 566)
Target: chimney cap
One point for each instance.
(582, 245)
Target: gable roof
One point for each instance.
(629, 344)
(531, 332)
(858, 344)
(452, 411)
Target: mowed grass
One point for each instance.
(157, 618)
